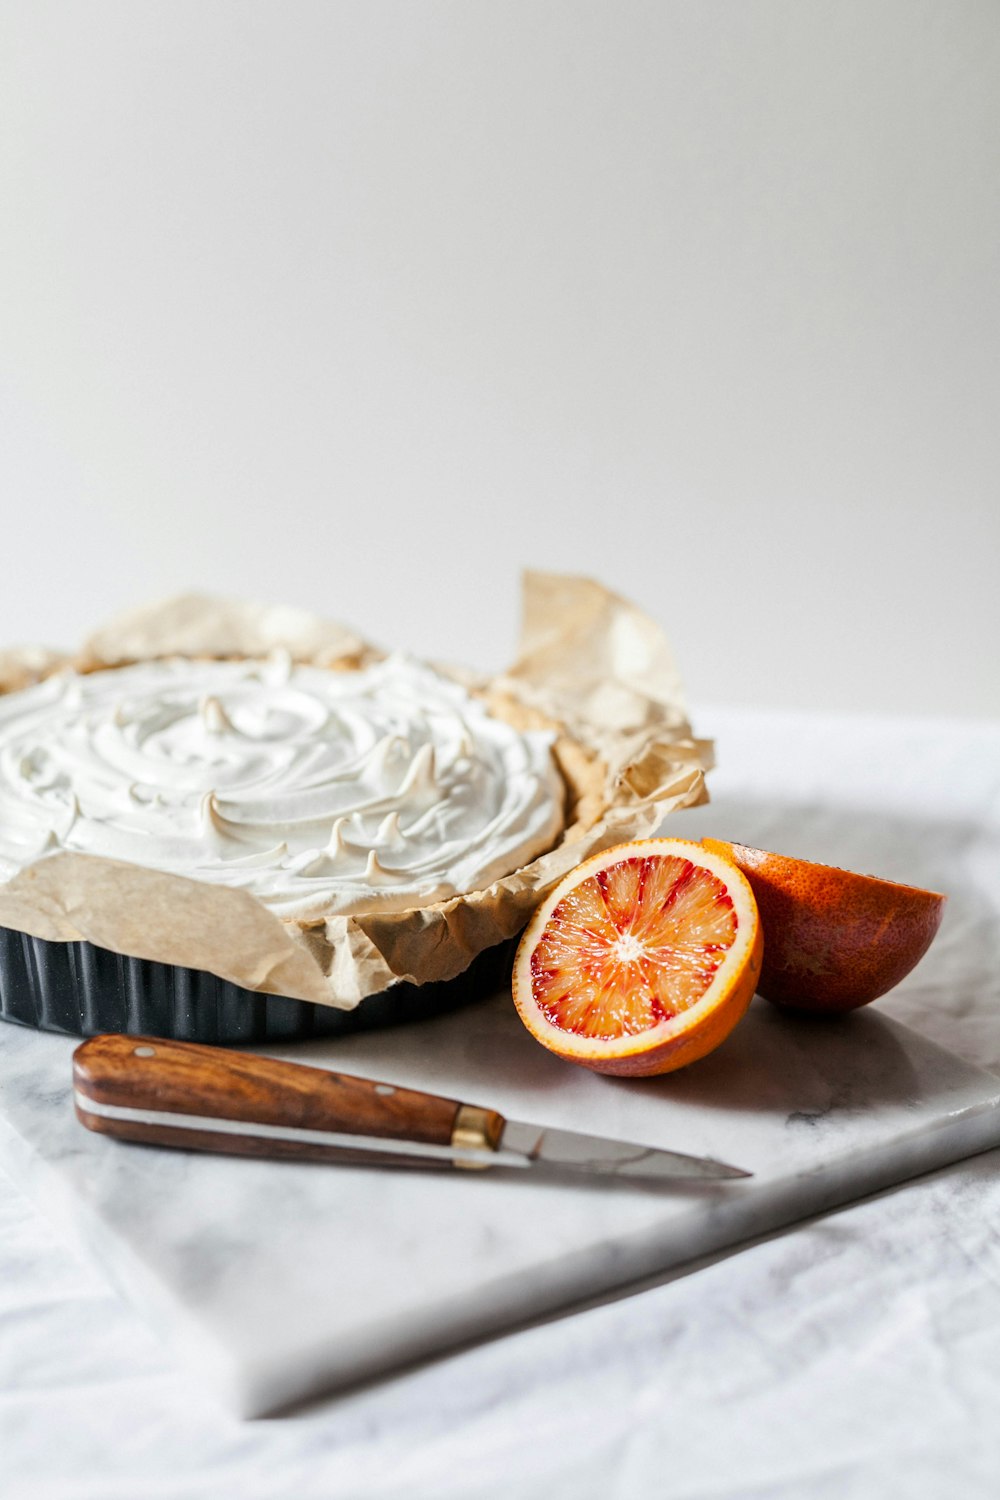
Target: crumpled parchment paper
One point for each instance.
(591, 666)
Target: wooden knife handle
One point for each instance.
(168, 1093)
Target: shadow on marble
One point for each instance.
(775, 1062)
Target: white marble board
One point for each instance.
(274, 1281)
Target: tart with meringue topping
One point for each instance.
(232, 821)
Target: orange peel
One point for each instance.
(835, 940)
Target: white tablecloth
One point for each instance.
(857, 1355)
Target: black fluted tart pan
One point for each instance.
(81, 990)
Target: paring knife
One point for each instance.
(200, 1098)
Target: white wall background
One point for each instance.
(364, 305)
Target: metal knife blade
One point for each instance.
(201, 1098)
(570, 1150)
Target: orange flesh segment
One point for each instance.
(632, 947)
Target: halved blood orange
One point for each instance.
(642, 959)
(835, 939)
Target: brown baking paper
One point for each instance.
(591, 666)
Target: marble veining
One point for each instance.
(272, 1281)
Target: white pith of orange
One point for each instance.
(692, 1031)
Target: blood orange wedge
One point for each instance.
(835, 939)
(641, 960)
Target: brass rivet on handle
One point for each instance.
(476, 1129)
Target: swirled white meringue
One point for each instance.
(321, 792)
